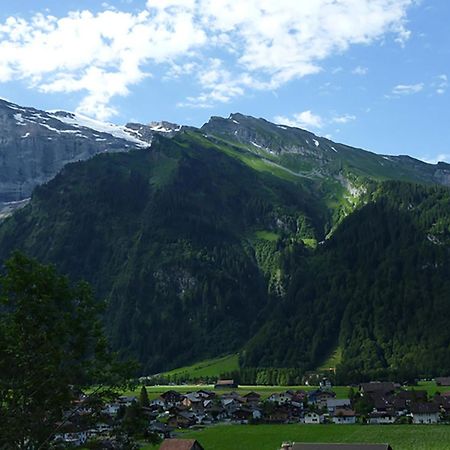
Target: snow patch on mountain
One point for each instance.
(117, 131)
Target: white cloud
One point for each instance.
(267, 43)
(441, 84)
(346, 118)
(407, 89)
(359, 70)
(445, 157)
(309, 120)
(305, 119)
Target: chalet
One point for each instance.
(313, 418)
(279, 414)
(399, 405)
(194, 402)
(171, 398)
(442, 381)
(413, 396)
(381, 418)
(281, 397)
(230, 405)
(325, 383)
(206, 395)
(334, 403)
(71, 435)
(111, 409)
(299, 397)
(344, 416)
(125, 400)
(381, 403)
(232, 394)
(319, 397)
(180, 444)
(296, 446)
(182, 420)
(215, 411)
(377, 387)
(226, 384)
(252, 398)
(161, 429)
(242, 415)
(425, 413)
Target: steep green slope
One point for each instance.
(313, 156)
(170, 238)
(380, 288)
(209, 244)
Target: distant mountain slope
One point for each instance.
(35, 145)
(308, 154)
(172, 238)
(242, 236)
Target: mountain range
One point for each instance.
(240, 236)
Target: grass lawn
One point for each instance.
(208, 368)
(430, 387)
(270, 437)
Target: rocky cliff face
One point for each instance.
(35, 145)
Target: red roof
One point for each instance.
(179, 444)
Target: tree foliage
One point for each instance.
(52, 345)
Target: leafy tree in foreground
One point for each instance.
(52, 346)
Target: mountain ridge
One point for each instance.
(194, 265)
(36, 144)
(206, 244)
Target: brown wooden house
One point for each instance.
(180, 444)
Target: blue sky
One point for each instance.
(369, 73)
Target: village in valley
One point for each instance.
(162, 418)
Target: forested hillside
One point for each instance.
(379, 288)
(172, 238)
(203, 248)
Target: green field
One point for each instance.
(270, 437)
(208, 368)
(430, 387)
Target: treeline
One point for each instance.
(245, 376)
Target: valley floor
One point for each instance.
(270, 437)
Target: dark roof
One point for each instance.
(443, 381)
(252, 394)
(424, 408)
(180, 444)
(377, 386)
(413, 395)
(341, 447)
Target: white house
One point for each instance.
(335, 403)
(344, 416)
(425, 413)
(313, 418)
(280, 397)
(381, 418)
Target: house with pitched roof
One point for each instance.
(180, 444)
(299, 446)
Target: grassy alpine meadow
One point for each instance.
(209, 367)
(270, 437)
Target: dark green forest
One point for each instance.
(198, 254)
